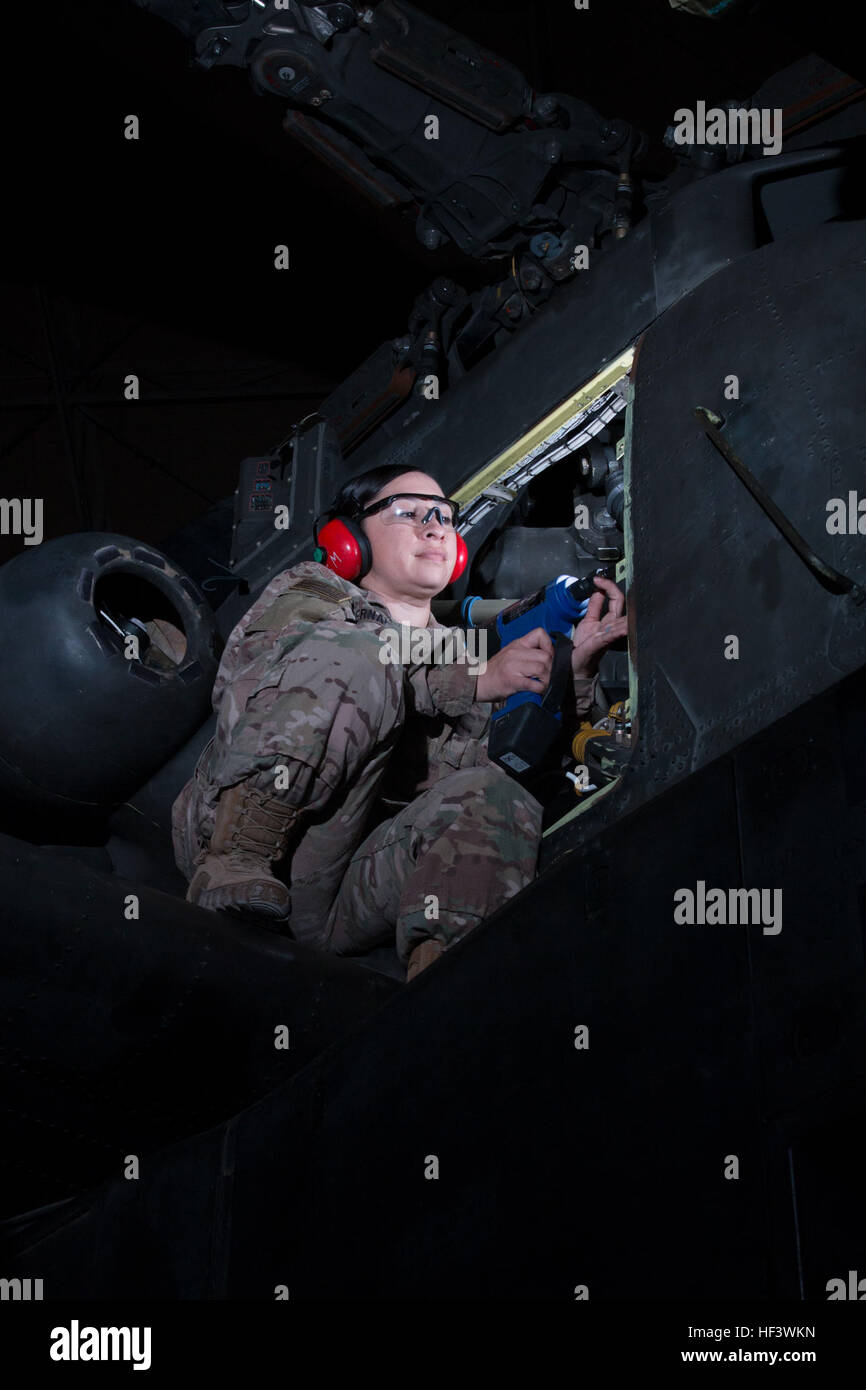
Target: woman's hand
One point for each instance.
(595, 633)
(525, 664)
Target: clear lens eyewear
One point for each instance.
(415, 509)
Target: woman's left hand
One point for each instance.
(594, 633)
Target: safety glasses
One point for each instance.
(414, 509)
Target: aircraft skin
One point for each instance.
(609, 1089)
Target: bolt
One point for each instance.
(443, 291)
(430, 237)
(286, 74)
(545, 106)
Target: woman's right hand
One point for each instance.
(524, 664)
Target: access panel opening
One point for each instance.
(131, 607)
(562, 492)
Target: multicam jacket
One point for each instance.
(283, 707)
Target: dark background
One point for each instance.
(156, 256)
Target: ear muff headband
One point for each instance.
(346, 550)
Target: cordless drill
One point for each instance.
(523, 732)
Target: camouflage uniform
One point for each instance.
(308, 711)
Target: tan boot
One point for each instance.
(423, 955)
(251, 832)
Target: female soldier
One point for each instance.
(319, 736)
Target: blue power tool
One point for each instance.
(525, 729)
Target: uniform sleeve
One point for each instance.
(449, 688)
(316, 702)
(442, 687)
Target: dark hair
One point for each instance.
(359, 492)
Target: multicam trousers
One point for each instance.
(326, 709)
(436, 869)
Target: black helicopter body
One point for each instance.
(588, 1069)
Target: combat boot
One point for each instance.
(251, 832)
(423, 955)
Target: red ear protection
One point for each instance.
(348, 554)
(347, 549)
(462, 559)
